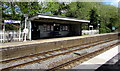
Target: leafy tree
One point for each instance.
(98, 13)
(94, 18)
(16, 10)
(55, 8)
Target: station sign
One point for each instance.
(12, 21)
(113, 27)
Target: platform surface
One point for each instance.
(112, 65)
(12, 44)
(97, 61)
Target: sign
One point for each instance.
(113, 28)
(12, 21)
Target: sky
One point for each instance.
(109, 2)
(112, 2)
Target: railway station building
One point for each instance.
(46, 26)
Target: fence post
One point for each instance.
(4, 33)
(1, 37)
(19, 35)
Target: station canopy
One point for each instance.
(56, 19)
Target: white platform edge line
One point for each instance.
(99, 60)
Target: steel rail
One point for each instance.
(30, 62)
(82, 57)
(48, 52)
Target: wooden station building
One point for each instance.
(46, 26)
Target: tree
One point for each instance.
(55, 8)
(94, 18)
(16, 10)
(105, 15)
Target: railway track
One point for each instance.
(47, 57)
(87, 55)
(48, 52)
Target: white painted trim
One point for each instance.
(97, 61)
(30, 30)
(59, 18)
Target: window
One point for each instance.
(61, 28)
(65, 28)
(51, 28)
(48, 28)
(45, 27)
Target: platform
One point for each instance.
(18, 49)
(97, 61)
(14, 44)
(112, 65)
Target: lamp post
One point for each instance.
(25, 28)
(99, 28)
(99, 23)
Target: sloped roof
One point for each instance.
(58, 18)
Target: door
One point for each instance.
(35, 31)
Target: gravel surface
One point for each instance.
(60, 59)
(46, 63)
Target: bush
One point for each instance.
(108, 30)
(105, 30)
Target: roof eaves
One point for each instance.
(59, 18)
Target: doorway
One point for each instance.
(35, 31)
